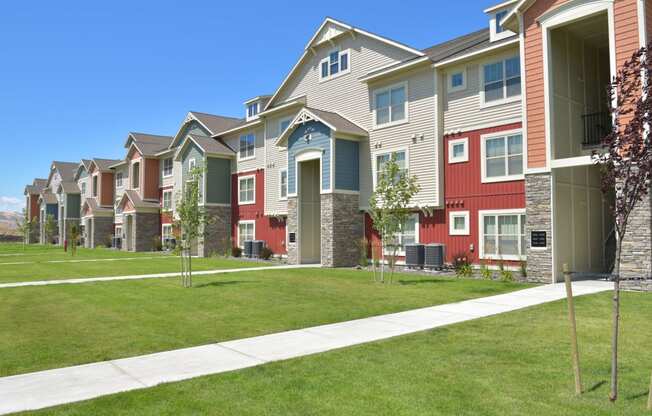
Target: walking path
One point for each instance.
(65, 385)
(150, 276)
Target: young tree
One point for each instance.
(49, 228)
(73, 238)
(25, 226)
(191, 221)
(389, 208)
(626, 161)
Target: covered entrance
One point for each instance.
(309, 208)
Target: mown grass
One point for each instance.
(511, 364)
(38, 262)
(55, 326)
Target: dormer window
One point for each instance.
(252, 110)
(497, 32)
(499, 18)
(336, 64)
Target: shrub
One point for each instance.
(506, 276)
(464, 270)
(523, 269)
(157, 245)
(266, 253)
(485, 272)
(236, 251)
(362, 244)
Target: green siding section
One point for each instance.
(218, 181)
(194, 128)
(73, 202)
(347, 159)
(192, 151)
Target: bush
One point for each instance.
(157, 245)
(523, 269)
(236, 252)
(266, 253)
(486, 272)
(462, 265)
(506, 276)
(363, 261)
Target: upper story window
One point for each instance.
(167, 167)
(247, 146)
(457, 81)
(336, 64)
(167, 200)
(135, 175)
(381, 160)
(283, 125)
(501, 81)
(83, 188)
(247, 190)
(502, 157)
(192, 163)
(497, 32)
(252, 110)
(499, 17)
(95, 185)
(118, 180)
(390, 105)
(283, 184)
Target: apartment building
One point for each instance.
(497, 126)
(32, 207)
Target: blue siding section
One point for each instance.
(320, 138)
(52, 209)
(347, 161)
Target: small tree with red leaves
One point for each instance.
(626, 161)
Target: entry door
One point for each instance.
(310, 212)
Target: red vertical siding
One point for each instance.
(106, 189)
(464, 191)
(33, 207)
(269, 229)
(151, 173)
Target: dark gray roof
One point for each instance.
(138, 201)
(150, 144)
(94, 206)
(49, 197)
(66, 170)
(69, 187)
(36, 187)
(215, 123)
(472, 42)
(39, 182)
(211, 145)
(104, 164)
(341, 124)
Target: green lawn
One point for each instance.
(37, 262)
(511, 364)
(56, 326)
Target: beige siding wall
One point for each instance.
(464, 111)
(258, 162)
(417, 136)
(82, 196)
(169, 181)
(119, 191)
(275, 161)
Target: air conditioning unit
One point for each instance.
(248, 248)
(434, 256)
(257, 248)
(414, 255)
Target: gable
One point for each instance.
(328, 31)
(126, 205)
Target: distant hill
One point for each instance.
(8, 222)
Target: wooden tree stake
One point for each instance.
(573, 330)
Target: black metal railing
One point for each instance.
(596, 127)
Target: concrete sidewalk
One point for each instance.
(65, 385)
(150, 276)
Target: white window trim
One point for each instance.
(255, 116)
(245, 222)
(483, 162)
(119, 183)
(456, 71)
(374, 167)
(340, 72)
(481, 215)
(493, 25)
(171, 169)
(166, 191)
(417, 225)
(451, 223)
(280, 123)
(504, 100)
(253, 156)
(280, 185)
(243, 178)
(163, 227)
(140, 173)
(406, 106)
(192, 163)
(460, 159)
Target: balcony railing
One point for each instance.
(596, 127)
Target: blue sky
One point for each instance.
(77, 76)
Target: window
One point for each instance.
(337, 63)
(457, 81)
(95, 185)
(191, 165)
(283, 125)
(409, 234)
(247, 190)
(247, 146)
(502, 235)
(118, 232)
(246, 231)
(458, 223)
(252, 110)
(167, 200)
(390, 105)
(458, 150)
(283, 183)
(167, 167)
(118, 179)
(381, 160)
(83, 188)
(502, 80)
(166, 233)
(502, 158)
(135, 175)
(499, 17)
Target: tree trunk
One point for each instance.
(613, 393)
(190, 266)
(382, 261)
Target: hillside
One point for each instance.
(8, 222)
